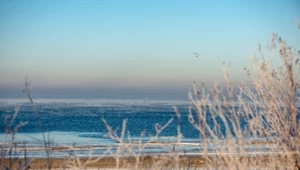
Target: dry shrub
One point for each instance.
(263, 113)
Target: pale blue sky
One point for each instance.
(141, 47)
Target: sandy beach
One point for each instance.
(126, 162)
(146, 162)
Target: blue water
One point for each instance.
(82, 118)
(79, 122)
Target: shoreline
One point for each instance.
(106, 162)
(149, 161)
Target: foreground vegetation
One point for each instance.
(269, 106)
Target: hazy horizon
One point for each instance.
(107, 93)
(133, 49)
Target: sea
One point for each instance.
(80, 123)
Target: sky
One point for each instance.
(133, 49)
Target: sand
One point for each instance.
(126, 162)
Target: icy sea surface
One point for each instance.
(80, 121)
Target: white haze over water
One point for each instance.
(92, 102)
